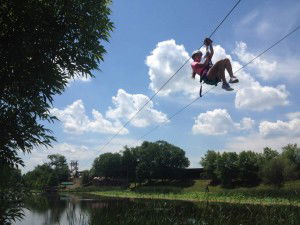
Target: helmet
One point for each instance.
(196, 53)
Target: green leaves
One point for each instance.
(43, 44)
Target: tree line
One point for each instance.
(249, 168)
(164, 161)
(151, 160)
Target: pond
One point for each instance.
(88, 209)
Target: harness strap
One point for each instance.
(200, 92)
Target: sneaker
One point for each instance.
(227, 87)
(233, 80)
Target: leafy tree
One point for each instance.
(269, 154)
(60, 167)
(86, 177)
(291, 153)
(156, 158)
(248, 167)
(129, 162)
(143, 172)
(209, 163)
(227, 168)
(12, 194)
(40, 177)
(273, 172)
(108, 165)
(48, 174)
(43, 45)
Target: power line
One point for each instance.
(167, 81)
(189, 104)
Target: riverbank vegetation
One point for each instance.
(158, 170)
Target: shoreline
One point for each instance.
(236, 197)
(200, 197)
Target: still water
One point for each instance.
(87, 209)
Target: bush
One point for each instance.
(273, 172)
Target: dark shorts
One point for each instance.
(210, 82)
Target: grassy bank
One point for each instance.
(262, 194)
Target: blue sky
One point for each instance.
(150, 42)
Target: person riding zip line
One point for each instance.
(209, 73)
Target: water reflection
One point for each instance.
(84, 209)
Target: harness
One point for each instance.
(204, 78)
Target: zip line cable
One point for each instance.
(167, 81)
(186, 106)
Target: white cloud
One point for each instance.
(270, 134)
(163, 62)
(280, 128)
(76, 121)
(247, 123)
(287, 68)
(259, 98)
(126, 105)
(293, 115)
(265, 68)
(250, 94)
(219, 122)
(256, 142)
(85, 154)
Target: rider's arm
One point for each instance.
(211, 51)
(208, 58)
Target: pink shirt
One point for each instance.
(197, 68)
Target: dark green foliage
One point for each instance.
(42, 176)
(151, 160)
(156, 159)
(268, 154)
(130, 162)
(12, 194)
(107, 165)
(59, 164)
(249, 168)
(43, 45)
(49, 174)
(292, 154)
(227, 168)
(273, 172)
(209, 163)
(86, 177)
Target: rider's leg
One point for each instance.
(217, 71)
(228, 67)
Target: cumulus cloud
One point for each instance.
(76, 121)
(126, 105)
(280, 128)
(85, 154)
(163, 62)
(272, 134)
(259, 98)
(289, 68)
(219, 122)
(255, 142)
(293, 115)
(250, 94)
(264, 68)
